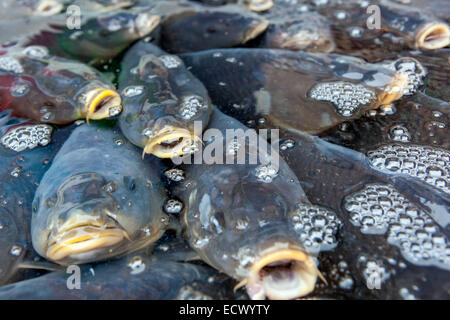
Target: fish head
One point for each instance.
(246, 232)
(106, 35)
(221, 29)
(309, 33)
(88, 219)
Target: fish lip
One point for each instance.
(102, 103)
(260, 5)
(256, 30)
(55, 7)
(300, 43)
(146, 23)
(303, 265)
(394, 90)
(439, 29)
(92, 238)
(154, 145)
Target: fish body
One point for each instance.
(162, 101)
(38, 86)
(92, 37)
(97, 200)
(26, 152)
(299, 91)
(136, 277)
(239, 218)
(362, 24)
(189, 26)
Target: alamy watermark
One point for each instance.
(238, 146)
(73, 20)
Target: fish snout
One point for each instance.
(83, 235)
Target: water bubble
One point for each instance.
(266, 173)
(173, 206)
(287, 144)
(38, 52)
(15, 250)
(132, 91)
(190, 106)
(136, 265)
(170, 62)
(10, 64)
(176, 175)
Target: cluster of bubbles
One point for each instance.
(190, 106)
(136, 265)
(265, 173)
(345, 96)
(374, 272)
(189, 293)
(399, 133)
(114, 111)
(173, 206)
(427, 163)
(413, 69)
(176, 175)
(27, 137)
(170, 62)
(10, 64)
(317, 227)
(379, 208)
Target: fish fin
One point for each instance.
(42, 265)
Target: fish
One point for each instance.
(39, 86)
(363, 24)
(188, 26)
(135, 277)
(239, 218)
(324, 89)
(98, 199)
(93, 37)
(162, 101)
(26, 152)
(13, 9)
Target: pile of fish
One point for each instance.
(119, 178)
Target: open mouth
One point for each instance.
(395, 90)
(83, 237)
(282, 275)
(103, 103)
(170, 143)
(433, 36)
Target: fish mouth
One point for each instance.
(433, 35)
(260, 5)
(394, 90)
(83, 235)
(48, 7)
(170, 142)
(146, 23)
(257, 28)
(103, 103)
(303, 41)
(282, 275)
